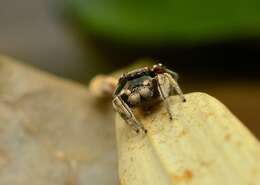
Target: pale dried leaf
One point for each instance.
(204, 145)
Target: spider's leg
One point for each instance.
(126, 113)
(164, 92)
(175, 86)
(174, 75)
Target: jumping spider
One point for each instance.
(142, 88)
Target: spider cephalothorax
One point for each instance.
(142, 87)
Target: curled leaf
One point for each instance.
(204, 145)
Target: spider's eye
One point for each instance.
(145, 92)
(134, 98)
(146, 82)
(127, 92)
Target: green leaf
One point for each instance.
(168, 21)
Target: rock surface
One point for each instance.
(52, 131)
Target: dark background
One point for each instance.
(48, 35)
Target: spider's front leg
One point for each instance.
(166, 84)
(164, 90)
(175, 86)
(126, 113)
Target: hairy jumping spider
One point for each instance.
(142, 88)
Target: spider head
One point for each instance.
(139, 90)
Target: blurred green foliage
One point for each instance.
(168, 21)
